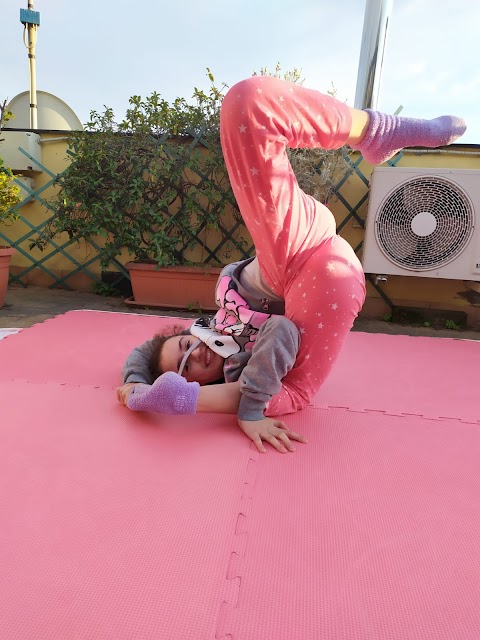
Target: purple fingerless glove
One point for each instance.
(170, 394)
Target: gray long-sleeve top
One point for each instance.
(260, 370)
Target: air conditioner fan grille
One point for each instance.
(424, 223)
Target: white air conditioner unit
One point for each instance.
(14, 158)
(423, 222)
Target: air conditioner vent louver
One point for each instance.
(424, 223)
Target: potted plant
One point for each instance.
(155, 188)
(9, 197)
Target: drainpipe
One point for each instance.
(375, 27)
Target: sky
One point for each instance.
(93, 54)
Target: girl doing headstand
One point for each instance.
(285, 314)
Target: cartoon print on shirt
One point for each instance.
(224, 345)
(234, 317)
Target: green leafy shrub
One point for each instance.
(451, 324)
(140, 184)
(9, 192)
(147, 186)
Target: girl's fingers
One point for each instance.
(284, 438)
(275, 443)
(291, 434)
(258, 443)
(296, 436)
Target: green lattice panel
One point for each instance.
(233, 233)
(22, 243)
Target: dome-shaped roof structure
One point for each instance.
(52, 113)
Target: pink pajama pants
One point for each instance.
(301, 257)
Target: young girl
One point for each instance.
(284, 315)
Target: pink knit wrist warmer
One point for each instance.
(386, 134)
(170, 394)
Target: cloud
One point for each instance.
(414, 69)
(469, 89)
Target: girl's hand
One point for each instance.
(124, 391)
(273, 431)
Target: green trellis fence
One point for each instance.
(232, 232)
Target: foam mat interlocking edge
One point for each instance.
(436, 417)
(233, 578)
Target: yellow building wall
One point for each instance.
(54, 157)
(402, 291)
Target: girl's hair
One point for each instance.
(157, 345)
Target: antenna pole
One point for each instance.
(31, 21)
(375, 27)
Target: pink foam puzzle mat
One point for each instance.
(119, 525)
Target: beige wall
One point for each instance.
(403, 291)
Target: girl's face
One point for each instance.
(203, 364)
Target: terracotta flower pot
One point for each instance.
(189, 288)
(6, 254)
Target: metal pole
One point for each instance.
(375, 27)
(31, 42)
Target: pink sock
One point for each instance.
(386, 135)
